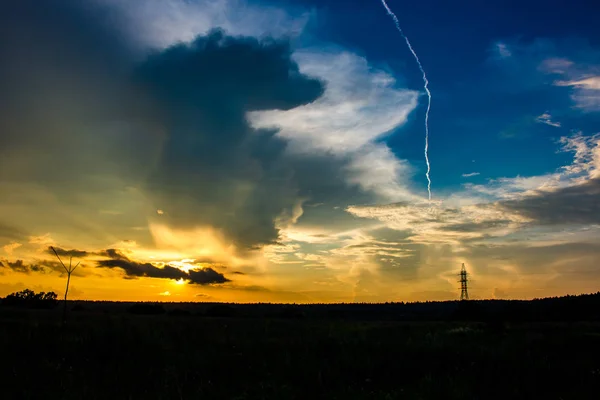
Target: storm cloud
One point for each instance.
(215, 169)
(69, 118)
(128, 130)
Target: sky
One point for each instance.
(274, 151)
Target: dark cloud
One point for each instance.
(68, 253)
(113, 254)
(571, 205)
(75, 133)
(475, 226)
(20, 266)
(132, 269)
(17, 266)
(206, 276)
(39, 267)
(62, 73)
(10, 232)
(122, 129)
(215, 169)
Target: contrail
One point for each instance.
(391, 14)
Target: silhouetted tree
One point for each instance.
(28, 298)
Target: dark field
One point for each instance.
(113, 354)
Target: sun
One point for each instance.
(180, 282)
(185, 265)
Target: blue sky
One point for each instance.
(274, 151)
(482, 101)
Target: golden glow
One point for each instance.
(201, 242)
(185, 265)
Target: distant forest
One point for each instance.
(585, 307)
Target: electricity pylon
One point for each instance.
(464, 291)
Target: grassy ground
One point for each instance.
(190, 357)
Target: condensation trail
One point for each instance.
(391, 14)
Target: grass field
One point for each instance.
(121, 356)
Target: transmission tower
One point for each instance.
(464, 292)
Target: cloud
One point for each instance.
(113, 254)
(546, 118)
(204, 276)
(470, 174)
(204, 89)
(161, 23)
(12, 233)
(76, 112)
(502, 50)
(17, 266)
(360, 105)
(429, 223)
(569, 63)
(578, 204)
(565, 197)
(134, 269)
(9, 248)
(22, 267)
(549, 269)
(92, 57)
(67, 253)
(174, 128)
(264, 176)
(585, 165)
(351, 112)
(537, 65)
(556, 65)
(586, 94)
(592, 83)
(249, 288)
(568, 196)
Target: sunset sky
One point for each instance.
(273, 151)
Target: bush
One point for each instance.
(29, 299)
